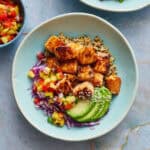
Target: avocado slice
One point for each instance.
(90, 114)
(102, 111)
(80, 109)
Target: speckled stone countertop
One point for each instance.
(132, 134)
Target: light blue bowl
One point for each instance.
(23, 14)
(115, 6)
(75, 24)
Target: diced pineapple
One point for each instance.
(47, 80)
(11, 31)
(31, 74)
(5, 39)
(39, 88)
(16, 10)
(43, 75)
(70, 99)
(49, 94)
(50, 101)
(46, 70)
(19, 25)
(14, 26)
(58, 119)
(53, 78)
(52, 85)
(4, 31)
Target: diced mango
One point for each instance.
(52, 85)
(47, 80)
(58, 119)
(43, 75)
(53, 78)
(59, 76)
(70, 99)
(47, 70)
(4, 31)
(5, 39)
(50, 101)
(31, 74)
(11, 31)
(39, 88)
(17, 10)
(49, 94)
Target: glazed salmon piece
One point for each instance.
(113, 83)
(52, 43)
(85, 73)
(102, 65)
(98, 79)
(52, 62)
(87, 55)
(70, 66)
(69, 51)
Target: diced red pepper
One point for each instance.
(68, 106)
(3, 34)
(51, 89)
(59, 70)
(36, 101)
(40, 55)
(34, 88)
(3, 15)
(12, 13)
(7, 2)
(7, 24)
(45, 88)
(40, 81)
(11, 37)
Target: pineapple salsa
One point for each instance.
(10, 20)
(45, 86)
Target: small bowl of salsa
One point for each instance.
(12, 16)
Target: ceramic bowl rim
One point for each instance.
(115, 10)
(129, 48)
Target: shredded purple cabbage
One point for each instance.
(37, 69)
(72, 123)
